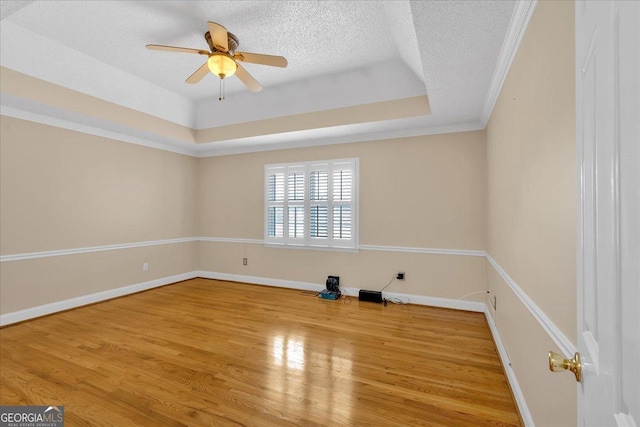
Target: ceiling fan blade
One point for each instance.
(248, 80)
(199, 74)
(258, 58)
(176, 49)
(219, 36)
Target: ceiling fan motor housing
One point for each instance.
(232, 40)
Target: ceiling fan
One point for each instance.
(223, 60)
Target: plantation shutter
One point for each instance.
(296, 203)
(275, 205)
(342, 203)
(312, 204)
(319, 205)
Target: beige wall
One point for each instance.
(61, 189)
(531, 205)
(442, 276)
(426, 192)
(35, 282)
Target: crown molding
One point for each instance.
(207, 150)
(517, 27)
(18, 113)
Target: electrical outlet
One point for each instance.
(494, 303)
(244, 261)
(400, 275)
(145, 266)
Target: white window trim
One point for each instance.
(307, 242)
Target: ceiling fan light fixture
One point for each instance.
(222, 64)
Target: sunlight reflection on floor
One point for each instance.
(297, 365)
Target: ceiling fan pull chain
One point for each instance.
(221, 97)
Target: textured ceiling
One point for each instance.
(340, 54)
(461, 50)
(116, 33)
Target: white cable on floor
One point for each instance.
(474, 293)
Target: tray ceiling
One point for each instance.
(341, 55)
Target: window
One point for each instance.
(313, 204)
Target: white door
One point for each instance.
(608, 132)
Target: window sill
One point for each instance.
(313, 248)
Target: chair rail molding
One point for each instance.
(561, 340)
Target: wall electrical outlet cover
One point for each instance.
(244, 261)
(145, 266)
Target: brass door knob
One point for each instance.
(557, 363)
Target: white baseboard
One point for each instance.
(511, 375)
(43, 310)
(54, 307)
(306, 286)
(456, 304)
(256, 280)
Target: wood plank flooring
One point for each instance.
(206, 352)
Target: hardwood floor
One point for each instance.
(205, 352)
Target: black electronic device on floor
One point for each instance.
(333, 289)
(371, 296)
